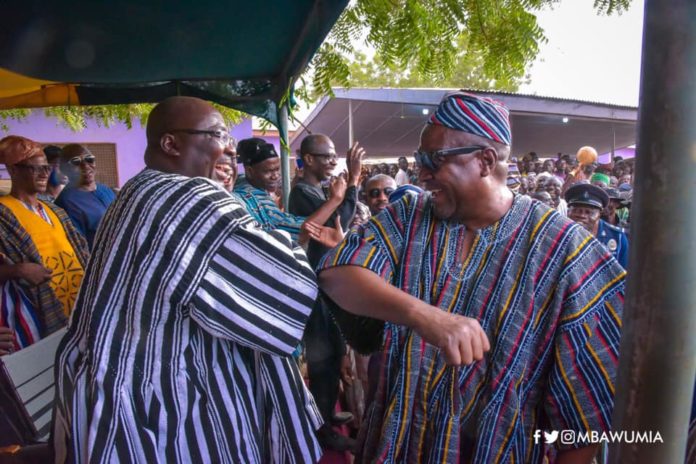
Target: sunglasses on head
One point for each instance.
(432, 160)
(374, 193)
(76, 161)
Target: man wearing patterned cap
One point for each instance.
(502, 317)
(42, 256)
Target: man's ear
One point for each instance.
(307, 160)
(488, 160)
(169, 145)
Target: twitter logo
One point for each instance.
(551, 437)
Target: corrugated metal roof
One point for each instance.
(498, 92)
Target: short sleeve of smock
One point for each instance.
(377, 245)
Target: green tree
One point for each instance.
(477, 43)
(466, 73)
(76, 117)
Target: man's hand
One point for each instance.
(327, 236)
(6, 341)
(35, 274)
(337, 189)
(461, 339)
(354, 162)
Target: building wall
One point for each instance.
(130, 143)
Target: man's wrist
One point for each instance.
(415, 316)
(335, 201)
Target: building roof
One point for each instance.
(387, 122)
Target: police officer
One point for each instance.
(585, 205)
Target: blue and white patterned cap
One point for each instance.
(476, 115)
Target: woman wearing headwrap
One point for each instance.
(42, 256)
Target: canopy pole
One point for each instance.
(350, 123)
(613, 142)
(658, 348)
(284, 153)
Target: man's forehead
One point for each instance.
(327, 144)
(434, 137)
(215, 119)
(198, 117)
(379, 182)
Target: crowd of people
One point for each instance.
(440, 311)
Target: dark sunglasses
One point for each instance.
(76, 161)
(35, 169)
(374, 193)
(432, 160)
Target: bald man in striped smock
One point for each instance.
(179, 347)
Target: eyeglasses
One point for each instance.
(222, 136)
(326, 156)
(35, 169)
(432, 160)
(374, 193)
(77, 161)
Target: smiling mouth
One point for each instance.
(434, 192)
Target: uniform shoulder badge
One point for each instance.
(612, 245)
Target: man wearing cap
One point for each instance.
(502, 317)
(42, 255)
(600, 179)
(585, 205)
(262, 176)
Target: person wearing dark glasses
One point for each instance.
(504, 316)
(84, 199)
(42, 255)
(377, 191)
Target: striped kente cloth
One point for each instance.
(261, 207)
(549, 297)
(179, 345)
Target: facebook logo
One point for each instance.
(549, 437)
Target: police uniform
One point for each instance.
(612, 237)
(615, 240)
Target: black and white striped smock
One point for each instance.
(179, 345)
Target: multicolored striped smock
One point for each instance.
(549, 297)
